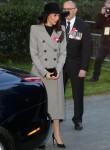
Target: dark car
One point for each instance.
(24, 121)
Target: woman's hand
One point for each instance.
(49, 76)
(56, 77)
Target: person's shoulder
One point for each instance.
(35, 26)
(82, 22)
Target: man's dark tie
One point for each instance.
(68, 29)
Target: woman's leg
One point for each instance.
(56, 125)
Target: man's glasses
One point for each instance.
(68, 9)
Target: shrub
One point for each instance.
(16, 19)
(87, 9)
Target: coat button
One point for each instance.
(45, 50)
(55, 50)
(43, 41)
(45, 59)
(54, 59)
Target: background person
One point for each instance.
(77, 61)
(102, 22)
(48, 53)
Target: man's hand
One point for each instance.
(103, 10)
(82, 73)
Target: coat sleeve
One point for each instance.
(86, 47)
(62, 54)
(99, 23)
(34, 51)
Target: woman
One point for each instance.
(48, 53)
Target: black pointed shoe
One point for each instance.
(58, 145)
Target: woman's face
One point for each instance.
(52, 19)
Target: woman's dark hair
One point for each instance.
(57, 27)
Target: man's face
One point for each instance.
(69, 6)
(107, 5)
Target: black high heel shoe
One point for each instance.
(42, 146)
(58, 145)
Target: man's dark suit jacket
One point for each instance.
(101, 22)
(80, 50)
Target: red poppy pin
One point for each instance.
(73, 29)
(55, 38)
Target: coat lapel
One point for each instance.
(50, 39)
(76, 23)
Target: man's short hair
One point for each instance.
(107, 1)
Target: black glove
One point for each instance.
(52, 70)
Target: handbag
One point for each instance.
(52, 70)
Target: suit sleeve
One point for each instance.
(86, 48)
(62, 54)
(34, 52)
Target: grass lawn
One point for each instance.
(99, 87)
(93, 88)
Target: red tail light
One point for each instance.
(32, 79)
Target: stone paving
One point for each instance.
(96, 126)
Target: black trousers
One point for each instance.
(100, 56)
(71, 71)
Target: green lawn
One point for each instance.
(93, 88)
(99, 87)
(24, 66)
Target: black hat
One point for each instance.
(52, 7)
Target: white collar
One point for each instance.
(71, 21)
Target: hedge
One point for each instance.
(16, 17)
(15, 22)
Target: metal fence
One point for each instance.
(96, 44)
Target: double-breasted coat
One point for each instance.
(47, 52)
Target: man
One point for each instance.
(78, 55)
(102, 22)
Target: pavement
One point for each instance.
(96, 126)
